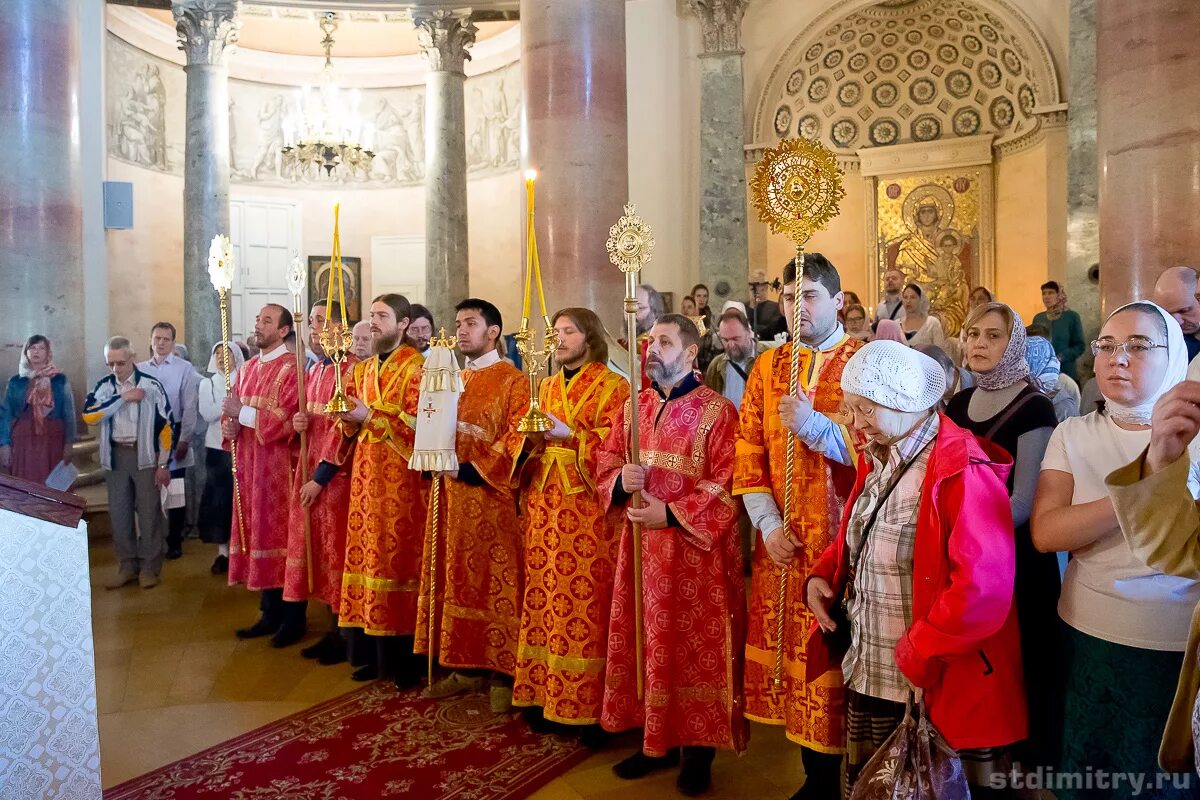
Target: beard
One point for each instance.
(385, 343)
(737, 353)
(667, 372)
(571, 356)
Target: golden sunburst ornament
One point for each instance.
(630, 241)
(796, 188)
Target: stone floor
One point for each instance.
(172, 680)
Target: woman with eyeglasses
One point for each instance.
(1127, 624)
(1005, 408)
(856, 322)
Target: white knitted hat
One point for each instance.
(894, 376)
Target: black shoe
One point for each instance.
(639, 765)
(264, 627)
(370, 672)
(594, 737)
(335, 653)
(695, 772)
(174, 552)
(412, 671)
(319, 649)
(220, 565)
(287, 635)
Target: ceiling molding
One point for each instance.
(159, 39)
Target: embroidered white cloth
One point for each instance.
(437, 413)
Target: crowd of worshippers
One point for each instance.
(915, 557)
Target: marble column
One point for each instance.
(1083, 232)
(41, 214)
(575, 136)
(444, 37)
(207, 30)
(723, 238)
(1147, 142)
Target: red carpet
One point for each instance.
(369, 744)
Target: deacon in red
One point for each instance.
(259, 416)
(321, 493)
(693, 592)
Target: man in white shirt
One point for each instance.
(134, 415)
(182, 384)
(891, 306)
(364, 345)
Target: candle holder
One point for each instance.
(534, 359)
(338, 336)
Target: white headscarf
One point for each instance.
(214, 361)
(1175, 373)
(895, 376)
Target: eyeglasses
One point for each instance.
(1133, 347)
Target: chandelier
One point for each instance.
(324, 130)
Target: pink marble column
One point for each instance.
(573, 63)
(41, 211)
(1148, 142)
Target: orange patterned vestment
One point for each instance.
(327, 514)
(693, 590)
(264, 471)
(386, 521)
(480, 549)
(570, 552)
(812, 713)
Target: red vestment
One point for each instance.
(264, 472)
(480, 546)
(813, 714)
(693, 589)
(386, 523)
(570, 552)
(327, 515)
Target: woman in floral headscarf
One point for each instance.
(1005, 408)
(37, 425)
(1045, 373)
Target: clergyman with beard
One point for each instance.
(258, 416)
(386, 532)
(694, 593)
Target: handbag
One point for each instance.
(915, 763)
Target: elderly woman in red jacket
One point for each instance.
(921, 573)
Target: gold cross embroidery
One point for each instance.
(429, 410)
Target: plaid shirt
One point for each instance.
(880, 603)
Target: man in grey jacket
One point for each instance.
(136, 438)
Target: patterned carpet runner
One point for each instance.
(372, 743)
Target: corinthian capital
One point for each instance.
(444, 36)
(206, 28)
(720, 22)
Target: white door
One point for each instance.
(265, 236)
(398, 265)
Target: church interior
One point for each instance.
(1001, 144)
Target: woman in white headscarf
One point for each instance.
(1127, 624)
(919, 326)
(921, 589)
(216, 506)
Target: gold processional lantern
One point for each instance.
(534, 359)
(796, 189)
(629, 245)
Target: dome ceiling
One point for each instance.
(907, 71)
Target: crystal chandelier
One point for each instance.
(324, 130)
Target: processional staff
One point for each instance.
(796, 190)
(220, 274)
(296, 281)
(629, 245)
(434, 450)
